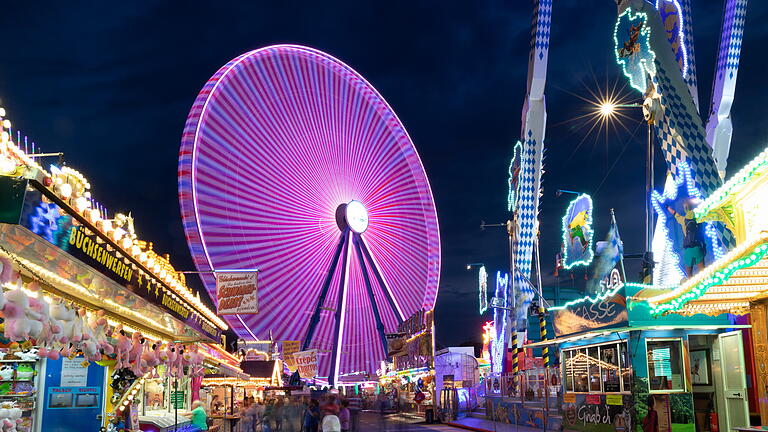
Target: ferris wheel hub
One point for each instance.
(352, 215)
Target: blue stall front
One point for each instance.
(619, 366)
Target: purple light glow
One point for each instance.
(277, 139)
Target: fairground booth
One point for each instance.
(407, 384)
(619, 361)
(736, 363)
(99, 330)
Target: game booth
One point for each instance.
(99, 331)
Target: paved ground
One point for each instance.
(395, 423)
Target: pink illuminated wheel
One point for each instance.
(293, 164)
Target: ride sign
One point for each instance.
(237, 293)
(591, 313)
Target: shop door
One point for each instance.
(734, 380)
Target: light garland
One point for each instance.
(644, 65)
(685, 178)
(129, 395)
(50, 276)
(745, 255)
(514, 177)
(680, 31)
(498, 347)
(483, 288)
(758, 166)
(587, 232)
(592, 300)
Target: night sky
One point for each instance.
(111, 87)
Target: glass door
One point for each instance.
(734, 380)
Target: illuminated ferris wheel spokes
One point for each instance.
(292, 163)
(352, 219)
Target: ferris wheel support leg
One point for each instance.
(315, 319)
(371, 296)
(341, 300)
(384, 288)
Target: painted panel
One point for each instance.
(72, 408)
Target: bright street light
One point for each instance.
(607, 108)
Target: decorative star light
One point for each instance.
(675, 197)
(44, 221)
(514, 176)
(577, 232)
(632, 46)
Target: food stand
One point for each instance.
(410, 383)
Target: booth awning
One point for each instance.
(73, 280)
(727, 285)
(607, 332)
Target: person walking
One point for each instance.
(278, 415)
(268, 418)
(311, 416)
(344, 416)
(248, 415)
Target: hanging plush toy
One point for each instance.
(98, 325)
(122, 348)
(196, 361)
(178, 365)
(49, 327)
(11, 416)
(66, 319)
(88, 345)
(34, 311)
(134, 356)
(17, 325)
(151, 358)
(170, 355)
(8, 275)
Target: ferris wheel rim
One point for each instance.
(415, 193)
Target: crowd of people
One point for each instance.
(330, 414)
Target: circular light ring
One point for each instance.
(277, 139)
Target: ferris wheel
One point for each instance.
(293, 164)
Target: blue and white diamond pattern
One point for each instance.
(682, 139)
(528, 204)
(540, 28)
(731, 37)
(690, 78)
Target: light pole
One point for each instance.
(608, 110)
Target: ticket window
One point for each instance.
(665, 365)
(603, 368)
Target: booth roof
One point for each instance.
(617, 330)
(259, 368)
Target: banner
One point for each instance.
(306, 363)
(289, 349)
(604, 311)
(237, 293)
(396, 344)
